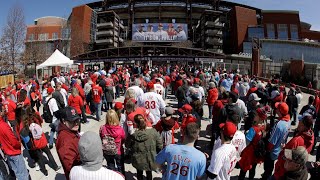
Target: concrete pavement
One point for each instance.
(130, 170)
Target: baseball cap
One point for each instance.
(298, 155)
(228, 129)
(118, 105)
(254, 83)
(212, 85)
(150, 85)
(50, 90)
(69, 114)
(169, 111)
(283, 107)
(185, 108)
(253, 96)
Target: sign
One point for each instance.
(162, 32)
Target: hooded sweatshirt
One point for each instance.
(10, 144)
(305, 139)
(67, 148)
(145, 144)
(116, 132)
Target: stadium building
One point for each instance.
(216, 32)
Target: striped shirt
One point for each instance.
(79, 173)
(223, 160)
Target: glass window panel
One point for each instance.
(270, 31)
(294, 32)
(55, 35)
(255, 32)
(31, 37)
(282, 31)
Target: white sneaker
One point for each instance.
(37, 167)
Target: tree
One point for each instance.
(12, 40)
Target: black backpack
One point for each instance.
(261, 148)
(26, 139)
(47, 116)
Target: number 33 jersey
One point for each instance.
(154, 103)
(183, 162)
(223, 160)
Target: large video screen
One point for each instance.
(159, 32)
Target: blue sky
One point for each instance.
(309, 9)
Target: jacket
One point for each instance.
(76, 102)
(109, 94)
(116, 132)
(67, 148)
(181, 93)
(305, 139)
(301, 174)
(10, 144)
(292, 102)
(212, 96)
(144, 145)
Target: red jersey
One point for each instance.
(10, 109)
(97, 93)
(76, 102)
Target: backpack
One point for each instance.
(35, 130)
(261, 148)
(26, 139)
(109, 146)
(166, 137)
(47, 116)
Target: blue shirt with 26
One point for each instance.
(183, 162)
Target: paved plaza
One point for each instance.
(130, 170)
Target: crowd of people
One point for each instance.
(250, 122)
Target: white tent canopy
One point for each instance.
(56, 59)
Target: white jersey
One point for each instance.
(159, 89)
(80, 173)
(154, 103)
(139, 94)
(223, 161)
(238, 141)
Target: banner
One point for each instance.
(163, 32)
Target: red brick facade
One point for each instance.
(241, 18)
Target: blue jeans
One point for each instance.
(98, 110)
(54, 129)
(18, 166)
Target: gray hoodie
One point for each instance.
(90, 148)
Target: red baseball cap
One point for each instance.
(228, 129)
(50, 90)
(150, 85)
(118, 105)
(236, 91)
(262, 112)
(185, 108)
(283, 107)
(196, 80)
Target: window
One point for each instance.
(43, 37)
(255, 32)
(66, 33)
(55, 35)
(270, 31)
(31, 37)
(294, 32)
(282, 31)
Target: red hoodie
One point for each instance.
(10, 144)
(116, 132)
(67, 148)
(212, 96)
(76, 102)
(305, 139)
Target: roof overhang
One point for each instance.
(145, 53)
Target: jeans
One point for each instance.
(54, 128)
(116, 160)
(140, 174)
(210, 111)
(252, 173)
(18, 166)
(98, 110)
(5, 173)
(117, 91)
(268, 167)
